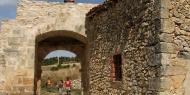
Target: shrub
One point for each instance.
(54, 69)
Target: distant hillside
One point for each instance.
(61, 60)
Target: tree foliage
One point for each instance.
(62, 60)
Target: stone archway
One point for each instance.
(20, 37)
(60, 40)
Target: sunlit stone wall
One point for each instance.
(17, 39)
(153, 38)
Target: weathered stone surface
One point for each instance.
(165, 13)
(152, 36)
(2, 60)
(186, 81)
(3, 93)
(167, 48)
(167, 26)
(19, 39)
(166, 37)
(175, 68)
(137, 40)
(130, 34)
(184, 54)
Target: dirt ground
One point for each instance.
(54, 91)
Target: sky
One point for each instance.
(59, 53)
(8, 11)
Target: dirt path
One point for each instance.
(52, 93)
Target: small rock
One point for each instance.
(176, 14)
(184, 54)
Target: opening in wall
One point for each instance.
(117, 68)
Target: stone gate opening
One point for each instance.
(60, 40)
(56, 67)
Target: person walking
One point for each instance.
(68, 85)
(49, 83)
(60, 87)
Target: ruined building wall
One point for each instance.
(129, 28)
(17, 39)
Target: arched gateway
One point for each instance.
(60, 40)
(39, 28)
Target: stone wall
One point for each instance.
(153, 38)
(151, 35)
(129, 28)
(18, 39)
(175, 47)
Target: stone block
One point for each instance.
(165, 59)
(155, 60)
(154, 83)
(20, 81)
(176, 14)
(177, 21)
(187, 83)
(178, 81)
(21, 73)
(166, 4)
(28, 81)
(165, 93)
(3, 93)
(185, 27)
(18, 33)
(164, 37)
(178, 62)
(167, 26)
(184, 54)
(164, 13)
(173, 70)
(28, 89)
(11, 52)
(15, 41)
(2, 60)
(164, 47)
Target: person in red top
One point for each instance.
(68, 85)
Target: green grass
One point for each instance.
(60, 67)
(48, 91)
(52, 90)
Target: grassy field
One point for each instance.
(73, 71)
